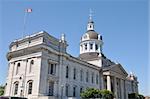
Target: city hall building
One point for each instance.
(40, 68)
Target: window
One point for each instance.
(31, 66)
(74, 91)
(96, 47)
(16, 88)
(97, 79)
(81, 75)
(91, 46)
(85, 46)
(52, 69)
(51, 88)
(18, 68)
(67, 90)
(81, 90)
(30, 87)
(101, 37)
(87, 75)
(92, 77)
(67, 72)
(74, 73)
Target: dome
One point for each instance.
(92, 34)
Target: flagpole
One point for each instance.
(28, 10)
(24, 23)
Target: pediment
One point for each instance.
(116, 69)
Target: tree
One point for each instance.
(91, 93)
(135, 96)
(96, 93)
(106, 94)
(2, 90)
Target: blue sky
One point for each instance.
(122, 23)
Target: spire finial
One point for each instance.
(90, 14)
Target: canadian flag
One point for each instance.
(29, 10)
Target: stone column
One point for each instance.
(115, 88)
(108, 83)
(102, 81)
(94, 46)
(122, 88)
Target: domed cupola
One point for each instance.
(90, 43)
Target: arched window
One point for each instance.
(16, 84)
(74, 91)
(18, 68)
(30, 85)
(51, 88)
(81, 89)
(67, 72)
(31, 66)
(67, 90)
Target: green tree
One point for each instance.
(2, 90)
(96, 93)
(106, 94)
(135, 96)
(90, 93)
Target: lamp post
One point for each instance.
(62, 86)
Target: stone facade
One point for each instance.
(40, 68)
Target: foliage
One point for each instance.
(106, 94)
(96, 93)
(2, 90)
(135, 96)
(91, 93)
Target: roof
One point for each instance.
(92, 34)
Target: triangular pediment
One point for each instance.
(116, 69)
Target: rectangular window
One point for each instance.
(74, 73)
(87, 75)
(81, 75)
(52, 69)
(67, 72)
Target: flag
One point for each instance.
(29, 10)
